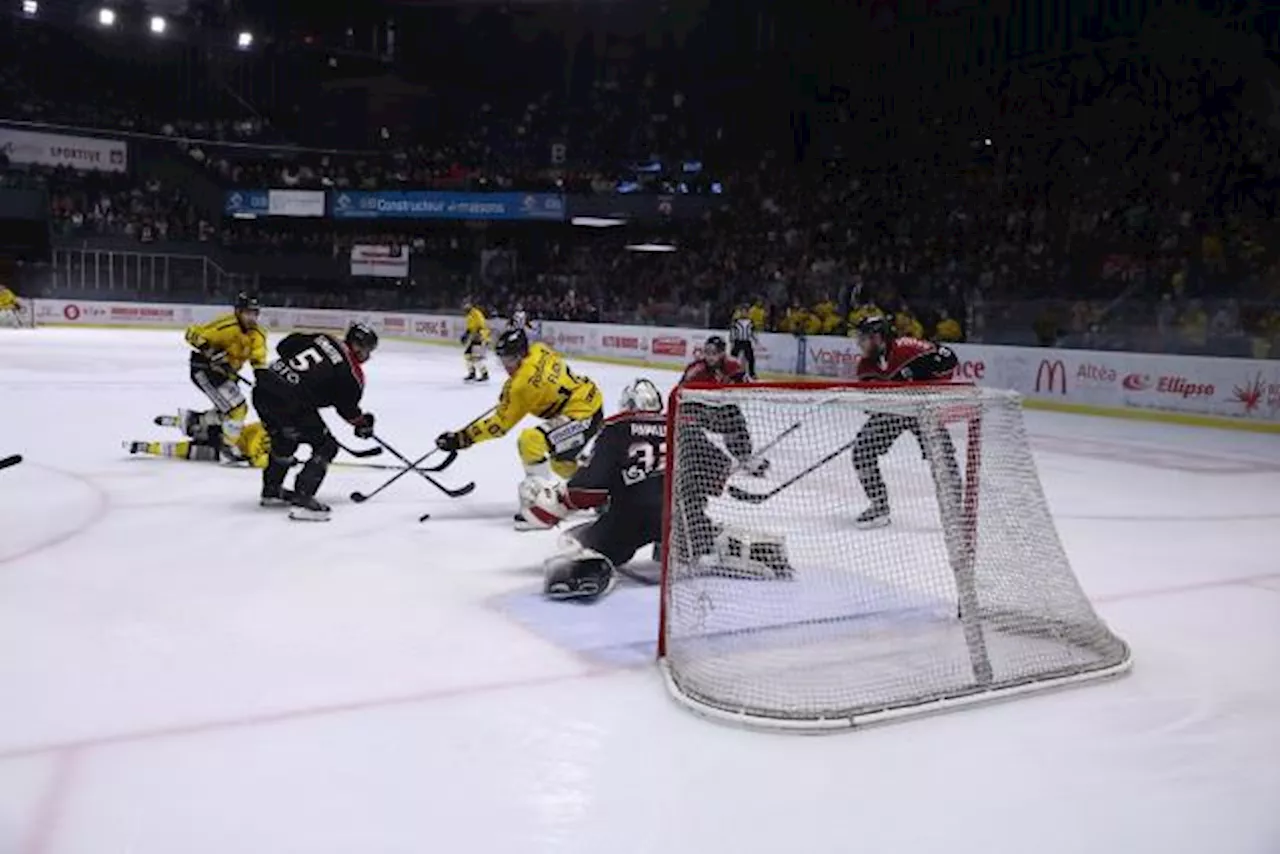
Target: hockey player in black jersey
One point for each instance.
(625, 475)
(622, 476)
(889, 358)
(314, 371)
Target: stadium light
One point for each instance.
(158, 25)
(650, 247)
(30, 8)
(597, 221)
(107, 17)
(244, 41)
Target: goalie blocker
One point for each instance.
(625, 475)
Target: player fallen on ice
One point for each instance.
(716, 368)
(539, 383)
(253, 447)
(889, 358)
(220, 348)
(314, 371)
(475, 343)
(623, 475)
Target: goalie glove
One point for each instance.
(543, 503)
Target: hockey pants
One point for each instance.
(291, 423)
(876, 438)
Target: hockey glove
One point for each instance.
(453, 441)
(364, 426)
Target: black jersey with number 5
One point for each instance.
(626, 467)
(318, 371)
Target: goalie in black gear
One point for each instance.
(625, 474)
(314, 371)
(888, 358)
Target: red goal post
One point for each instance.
(969, 581)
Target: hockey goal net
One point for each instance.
(966, 595)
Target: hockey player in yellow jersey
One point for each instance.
(221, 348)
(541, 384)
(253, 446)
(9, 307)
(475, 342)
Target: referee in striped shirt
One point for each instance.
(742, 333)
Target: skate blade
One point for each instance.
(878, 522)
(299, 514)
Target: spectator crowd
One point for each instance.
(1118, 198)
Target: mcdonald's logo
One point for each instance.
(1051, 376)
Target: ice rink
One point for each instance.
(182, 672)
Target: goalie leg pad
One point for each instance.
(541, 503)
(584, 578)
(748, 554)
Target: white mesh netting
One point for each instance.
(966, 595)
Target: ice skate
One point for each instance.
(277, 498)
(875, 516)
(307, 509)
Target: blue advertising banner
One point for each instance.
(247, 203)
(431, 204)
(291, 203)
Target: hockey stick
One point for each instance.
(760, 497)
(10, 461)
(439, 467)
(465, 489)
(362, 454)
(361, 497)
(414, 466)
(768, 446)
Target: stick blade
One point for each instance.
(359, 497)
(740, 494)
(443, 464)
(465, 489)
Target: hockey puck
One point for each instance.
(424, 517)
(10, 461)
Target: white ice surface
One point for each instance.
(183, 673)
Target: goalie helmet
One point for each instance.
(641, 396)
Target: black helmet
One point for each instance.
(715, 344)
(876, 325)
(512, 344)
(246, 302)
(360, 336)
